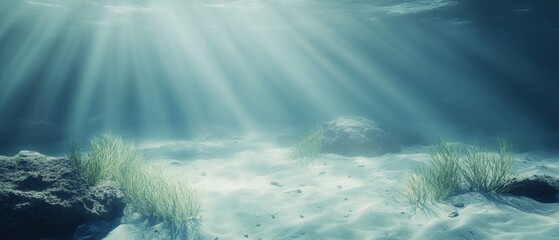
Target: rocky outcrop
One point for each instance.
(357, 136)
(44, 196)
(541, 188)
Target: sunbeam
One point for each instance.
(249, 64)
(279, 119)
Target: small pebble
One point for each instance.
(258, 225)
(246, 235)
(322, 173)
(453, 214)
(301, 216)
(459, 205)
(339, 187)
(277, 184)
(293, 191)
(345, 199)
(361, 165)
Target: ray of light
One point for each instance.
(242, 63)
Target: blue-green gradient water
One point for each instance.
(484, 66)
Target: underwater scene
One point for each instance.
(279, 119)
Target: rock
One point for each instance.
(95, 229)
(29, 131)
(453, 214)
(104, 200)
(541, 188)
(44, 197)
(277, 184)
(357, 136)
(293, 191)
(459, 205)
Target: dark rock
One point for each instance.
(277, 184)
(453, 214)
(29, 131)
(95, 229)
(104, 200)
(357, 136)
(541, 188)
(459, 205)
(44, 196)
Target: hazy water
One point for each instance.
(485, 66)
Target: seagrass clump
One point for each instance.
(450, 168)
(149, 190)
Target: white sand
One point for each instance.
(343, 198)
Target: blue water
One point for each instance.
(482, 67)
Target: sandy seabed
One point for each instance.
(251, 190)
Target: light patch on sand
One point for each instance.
(257, 192)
